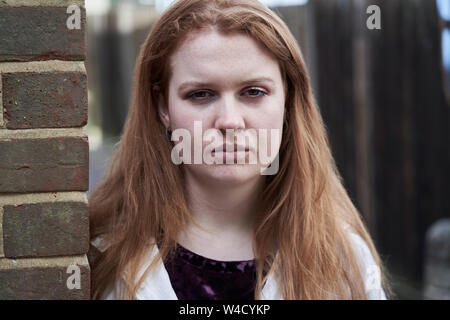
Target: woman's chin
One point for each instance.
(226, 173)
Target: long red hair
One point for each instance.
(299, 233)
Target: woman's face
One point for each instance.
(225, 82)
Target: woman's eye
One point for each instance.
(199, 95)
(255, 92)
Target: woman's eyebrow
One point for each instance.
(209, 84)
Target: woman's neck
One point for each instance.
(225, 213)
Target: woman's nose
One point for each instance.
(229, 114)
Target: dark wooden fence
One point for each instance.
(382, 97)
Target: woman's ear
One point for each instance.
(163, 110)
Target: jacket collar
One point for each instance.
(157, 285)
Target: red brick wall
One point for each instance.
(44, 151)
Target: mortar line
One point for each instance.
(2, 252)
(41, 3)
(22, 134)
(42, 197)
(43, 66)
(33, 262)
(2, 123)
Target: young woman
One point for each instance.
(164, 230)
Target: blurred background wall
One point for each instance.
(383, 94)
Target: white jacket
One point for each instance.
(157, 285)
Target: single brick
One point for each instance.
(40, 33)
(45, 229)
(25, 279)
(44, 165)
(45, 100)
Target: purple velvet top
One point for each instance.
(194, 277)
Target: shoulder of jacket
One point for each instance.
(370, 270)
(155, 286)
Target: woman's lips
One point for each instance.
(231, 148)
(231, 155)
